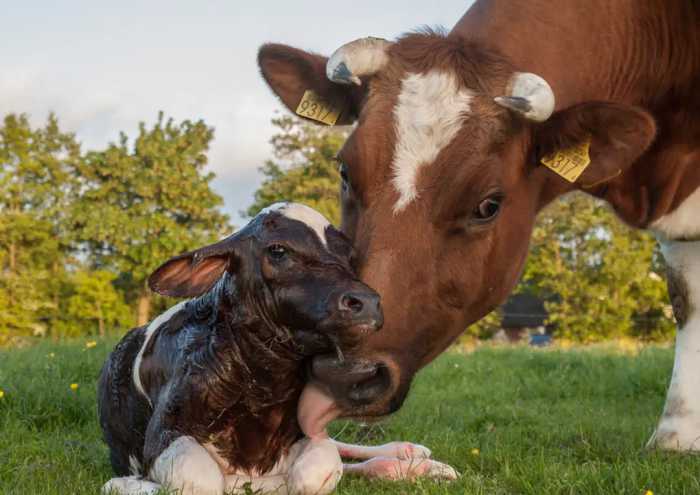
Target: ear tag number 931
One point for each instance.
(312, 106)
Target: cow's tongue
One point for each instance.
(315, 410)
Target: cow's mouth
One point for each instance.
(359, 387)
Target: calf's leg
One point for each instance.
(398, 450)
(389, 468)
(679, 426)
(312, 467)
(187, 466)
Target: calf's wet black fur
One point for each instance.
(227, 366)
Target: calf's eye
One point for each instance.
(488, 209)
(277, 251)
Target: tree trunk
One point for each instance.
(101, 322)
(143, 312)
(13, 258)
(12, 266)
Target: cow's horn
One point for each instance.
(358, 58)
(529, 95)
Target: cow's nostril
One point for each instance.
(352, 303)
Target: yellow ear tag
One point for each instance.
(312, 106)
(571, 162)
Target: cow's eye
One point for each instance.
(343, 171)
(277, 251)
(488, 208)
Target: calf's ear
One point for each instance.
(192, 274)
(290, 72)
(617, 135)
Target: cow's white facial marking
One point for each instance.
(305, 214)
(679, 427)
(152, 327)
(682, 222)
(430, 111)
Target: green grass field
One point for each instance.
(544, 422)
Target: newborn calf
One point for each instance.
(204, 399)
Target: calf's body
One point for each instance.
(204, 399)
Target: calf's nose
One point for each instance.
(362, 306)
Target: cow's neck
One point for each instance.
(626, 51)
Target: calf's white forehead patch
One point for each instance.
(428, 115)
(302, 213)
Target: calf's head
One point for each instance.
(289, 268)
(441, 184)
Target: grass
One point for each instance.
(544, 422)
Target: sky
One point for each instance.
(103, 67)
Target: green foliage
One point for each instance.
(80, 232)
(37, 183)
(92, 305)
(304, 170)
(601, 279)
(144, 203)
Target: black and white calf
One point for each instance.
(207, 399)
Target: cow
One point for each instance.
(212, 395)
(462, 137)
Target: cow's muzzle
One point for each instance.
(361, 387)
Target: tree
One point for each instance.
(304, 168)
(601, 279)
(143, 203)
(91, 305)
(37, 183)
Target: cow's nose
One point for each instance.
(362, 306)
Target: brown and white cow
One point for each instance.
(443, 173)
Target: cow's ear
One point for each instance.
(611, 137)
(291, 72)
(192, 274)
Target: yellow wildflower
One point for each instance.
(74, 386)
(648, 492)
(477, 452)
(2, 393)
(90, 344)
(52, 355)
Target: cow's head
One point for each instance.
(441, 184)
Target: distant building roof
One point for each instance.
(523, 310)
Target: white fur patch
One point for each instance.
(305, 214)
(134, 466)
(684, 221)
(186, 466)
(679, 427)
(152, 327)
(130, 485)
(317, 467)
(430, 112)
